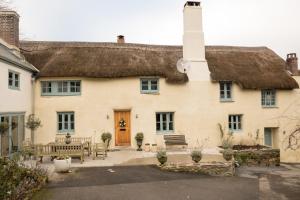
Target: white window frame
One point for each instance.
(235, 122)
(268, 98)
(65, 124)
(161, 122)
(226, 89)
(15, 81)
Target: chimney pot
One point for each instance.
(292, 64)
(9, 27)
(121, 39)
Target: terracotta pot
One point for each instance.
(147, 148)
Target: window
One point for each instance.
(61, 88)
(235, 122)
(268, 98)
(66, 122)
(149, 85)
(164, 122)
(225, 91)
(13, 80)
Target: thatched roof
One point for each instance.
(251, 68)
(104, 60)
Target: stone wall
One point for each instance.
(263, 157)
(213, 168)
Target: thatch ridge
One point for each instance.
(250, 67)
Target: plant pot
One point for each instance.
(162, 160)
(62, 166)
(139, 143)
(147, 148)
(196, 159)
(154, 148)
(228, 154)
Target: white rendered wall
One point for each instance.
(15, 101)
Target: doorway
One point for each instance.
(122, 128)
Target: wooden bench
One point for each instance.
(172, 141)
(55, 150)
(86, 141)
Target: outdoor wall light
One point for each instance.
(107, 116)
(137, 116)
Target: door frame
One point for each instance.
(115, 131)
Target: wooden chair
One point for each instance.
(100, 149)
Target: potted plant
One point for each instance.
(162, 157)
(62, 164)
(139, 140)
(68, 139)
(106, 136)
(196, 155)
(33, 123)
(154, 148)
(227, 154)
(147, 147)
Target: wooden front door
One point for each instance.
(122, 128)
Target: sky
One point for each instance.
(271, 23)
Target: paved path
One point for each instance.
(147, 183)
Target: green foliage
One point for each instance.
(33, 122)
(106, 136)
(162, 157)
(17, 181)
(139, 136)
(228, 154)
(196, 155)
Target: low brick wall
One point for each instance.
(213, 169)
(263, 157)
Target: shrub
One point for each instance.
(18, 181)
(3, 127)
(196, 155)
(106, 136)
(162, 157)
(139, 136)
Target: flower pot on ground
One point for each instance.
(106, 136)
(68, 139)
(62, 164)
(139, 140)
(227, 154)
(147, 147)
(154, 148)
(162, 157)
(196, 156)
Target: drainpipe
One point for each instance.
(33, 80)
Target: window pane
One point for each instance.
(10, 75)
(72, 125)
(59, 118)
(145, 85)
(157, 117)
(10, 82)
(171, 126)
(158, 126)
(164, 126)
(16, 83)
(164, 117)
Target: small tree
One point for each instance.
(33, 123)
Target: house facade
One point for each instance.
(16, 96)
(86, 89)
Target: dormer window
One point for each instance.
(149, 85)
(225, 91)
(268, 98)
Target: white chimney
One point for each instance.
(193, 42)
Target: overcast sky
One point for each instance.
(272, 23)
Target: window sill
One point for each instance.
(14, 88)
(60, 95)
(151, 93)
(65, 133)
(270, 107)
(226, 101)
(164, 132)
